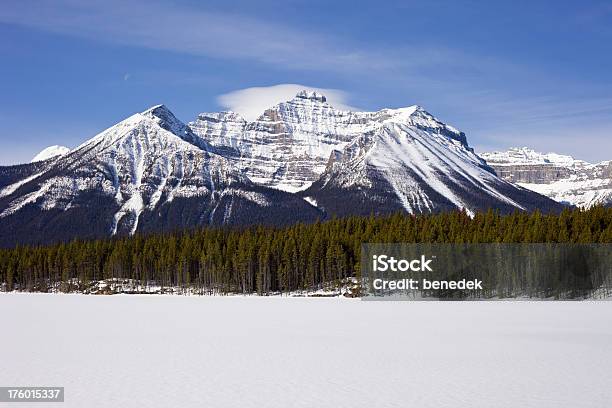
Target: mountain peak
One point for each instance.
(529, 156)
(158, 111)
(417, 116)
(311, 95)
(165, 118)
(50, 152)
(147, 121)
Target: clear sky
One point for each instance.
(532, 73)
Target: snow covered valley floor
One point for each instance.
(187, 351)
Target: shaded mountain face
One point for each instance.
(148, 172)
(301, 160)
(559, 177)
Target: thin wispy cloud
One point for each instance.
(170, 27)
(492, 96)
(416, 66)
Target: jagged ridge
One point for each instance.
(559, 177)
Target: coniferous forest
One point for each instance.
(268, 260)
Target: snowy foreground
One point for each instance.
(187, 351)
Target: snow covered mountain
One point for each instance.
(50, 152)
(148, 172)
(410, 161)
(289, 145)
(301, 160)
(559, 177)
(393, 159)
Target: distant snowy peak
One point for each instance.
(559, 177)
(526, 156)
(50, 152)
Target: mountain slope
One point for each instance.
(408, 163)
(148, 172)
(559, 177)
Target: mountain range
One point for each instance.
(300, 161)
(560, 177)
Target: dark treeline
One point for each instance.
(267, 259)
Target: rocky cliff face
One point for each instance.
(534, 174)
(559, 177)
(288, 146)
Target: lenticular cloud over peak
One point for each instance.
(250, 103)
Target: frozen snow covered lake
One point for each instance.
(165, 351)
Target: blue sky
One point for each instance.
(534, 73)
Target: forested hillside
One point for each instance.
(266, 259)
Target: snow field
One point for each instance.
(189, 351)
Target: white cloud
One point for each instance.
(252, 102)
